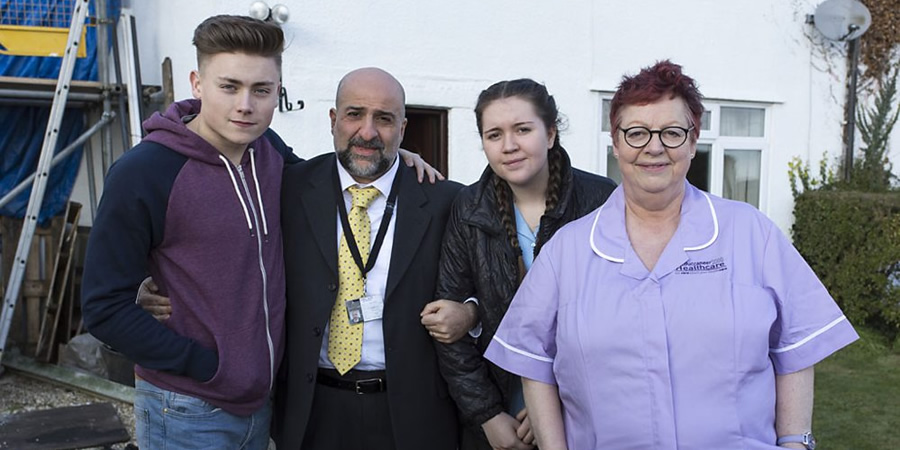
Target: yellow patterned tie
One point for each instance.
(344, 338)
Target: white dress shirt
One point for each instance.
(376, 280)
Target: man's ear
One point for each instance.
(332, 113)
(195, 84)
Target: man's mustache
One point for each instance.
(374, 143)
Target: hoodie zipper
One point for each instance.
(262, 270)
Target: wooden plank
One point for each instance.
(48, 85)
(69, 427)
(46, 346)
(36, 285)
(10, 229)
(69, 378)
(27, 317)
(31, 296)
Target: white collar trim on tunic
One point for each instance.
(712, 239)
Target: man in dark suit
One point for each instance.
(361, 371)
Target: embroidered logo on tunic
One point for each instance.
(697, 267)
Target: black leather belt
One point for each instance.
(363, 385)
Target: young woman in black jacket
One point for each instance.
(497, 226)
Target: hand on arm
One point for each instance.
(448, 320)
(149, 299)
(545, 414)
(422, 168)
(525, 432)
(501, 431)
(794, 404)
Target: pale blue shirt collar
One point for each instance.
(527, 238)
(382, 183)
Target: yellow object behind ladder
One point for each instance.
(22, 40)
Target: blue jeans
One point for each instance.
(166, 420)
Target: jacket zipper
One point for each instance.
(262, 270)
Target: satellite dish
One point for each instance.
(842, 20)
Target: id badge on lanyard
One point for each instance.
(367, 307)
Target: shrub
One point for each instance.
(852, 242)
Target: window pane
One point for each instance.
(604, 112)
(741, 178)
(742, 122)
(612, 166)
(705, 120)
(698, 173)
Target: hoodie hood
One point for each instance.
(170, 129)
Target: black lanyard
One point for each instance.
(382, 229)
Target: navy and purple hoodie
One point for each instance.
(209, 234)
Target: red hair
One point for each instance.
(650, 85)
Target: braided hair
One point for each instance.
(545, 107)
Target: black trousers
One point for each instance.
(344, 420)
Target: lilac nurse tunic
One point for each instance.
(680, 357)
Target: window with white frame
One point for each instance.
(731, 150)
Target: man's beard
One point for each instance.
(368, 167)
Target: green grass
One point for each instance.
(857, 399)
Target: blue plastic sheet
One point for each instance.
(21, 146)
(22, 133)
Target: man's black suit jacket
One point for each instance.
(422, 414)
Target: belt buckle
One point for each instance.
(360, 383)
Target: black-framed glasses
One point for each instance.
(670, 137)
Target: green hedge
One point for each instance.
(852, 242)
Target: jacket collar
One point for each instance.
(697, 230)
(482, 212)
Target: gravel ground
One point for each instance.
(19, 394)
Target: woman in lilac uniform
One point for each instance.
(668, 318)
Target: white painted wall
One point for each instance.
(445, 53)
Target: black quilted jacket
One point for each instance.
(478, 261)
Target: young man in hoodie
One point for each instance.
(196, 205)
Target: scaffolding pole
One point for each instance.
(104, 120)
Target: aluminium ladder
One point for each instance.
(43, 169)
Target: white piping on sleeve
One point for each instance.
(522, 352)
(262, 208)
(237, 191)
(810, 337)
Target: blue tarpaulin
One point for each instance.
(22, 133)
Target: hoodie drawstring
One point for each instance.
(237, 191)
(262, 208)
